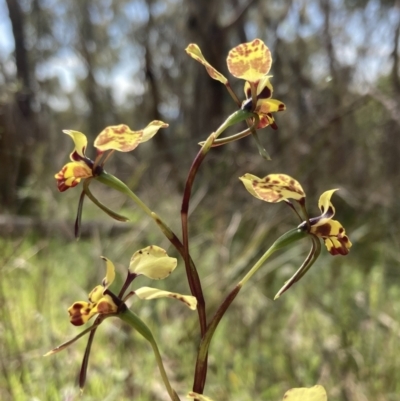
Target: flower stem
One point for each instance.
(228, 139)
(134, 321)
(201, 368)
(191, 271)
(115, 183)
(234, 118)
(232, 93)
(284, 240)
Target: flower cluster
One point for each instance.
(250, 62)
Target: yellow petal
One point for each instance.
(118, 137)
(265, 106)
(194, 51)
(152, 129)
(96, 294)
(247, 180)
(71, 174)
(154, 293)
(276, 187)
(152, 262)
(250, 61)
(110, 275)
(80, 142)
(197, 396)
(325, 204)
(316, 393)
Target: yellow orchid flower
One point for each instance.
(100, 302)
(331, 231)
(280, 187)
(118, 137)
(252, 62)
(276, 188)
(154, 263)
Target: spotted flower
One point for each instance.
(101, 300)
(331, 231)
(119, 137)
(280, 187)
(252, 62)
(152, 262)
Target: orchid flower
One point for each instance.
(275, 188)
(119, 137)
(152, 262)
(280, 187)
(251, 62)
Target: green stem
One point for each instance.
(191, 271)
(234, 118)
(201, 362)
(134, 321)
(105, 209)
(228, 139)
(284, 240)
(233, 94)
(115, 183)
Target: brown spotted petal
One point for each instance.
(123, 139)
(118, 137)
(72, 174)
(250, 61)
(154, 293)
(80, 312)
(334, 236)
(274, 187)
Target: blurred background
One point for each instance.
(86, 64)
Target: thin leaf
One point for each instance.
(303, 269)
(78, 219)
